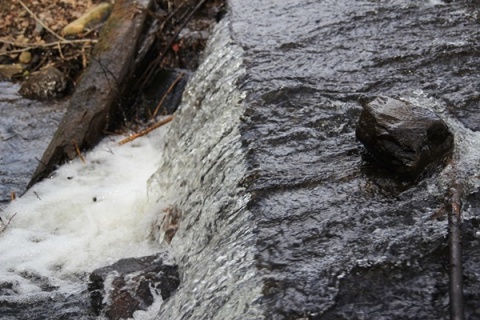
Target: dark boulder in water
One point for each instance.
(120, 289)
(403, 137)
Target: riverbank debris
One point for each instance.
(96, 98)
(93, 17)
(4, 225)
(34, 28)
(147, 130)
(169, 90)
(79, 153)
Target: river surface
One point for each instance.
(338, 238)
(284, 215)
(26, 128)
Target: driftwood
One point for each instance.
(455, 247)
(97, 94)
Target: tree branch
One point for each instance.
(455, 245)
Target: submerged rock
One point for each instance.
(403, 137)
(117, 291)
(44, 85)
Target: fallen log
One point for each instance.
(97, 95)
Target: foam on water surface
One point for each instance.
(464, 165)
(86, 216)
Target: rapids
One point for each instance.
(284, 216)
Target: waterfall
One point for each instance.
(201, 174)
(258, 189)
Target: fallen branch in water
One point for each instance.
(4, 226)
(455, 249)
(77, 149)
(147, 131)
(174, 83)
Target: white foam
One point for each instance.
(436, 2)
(152, 311)
(463, 168)
(87, 216)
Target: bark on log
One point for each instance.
(100, 88)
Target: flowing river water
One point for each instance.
(283, 214)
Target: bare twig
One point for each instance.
(152, 67)
(10, 220)
(455, 246)
(172, 14)
(147, 131)
(14, 51)
(84, 58)
(186, 13)
(77, 149)
(49, 44)
(174, 83)
(59, 47)
(29, 46)
(4, 226)
(40, 161)
(41, 22)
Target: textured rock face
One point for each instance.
(117, 291)
(403, 137)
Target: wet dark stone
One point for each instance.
(47, 84)
(403, 137)
(467, 112)
(55, 305)
(120, 289)
(392, 292)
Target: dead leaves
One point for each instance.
(35, 26)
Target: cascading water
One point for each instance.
(86, 216)
(282, 216)
(335, 236)
(203, 166)
(65, 227)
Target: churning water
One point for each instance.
(90, 215)
(86, 216)
(283, 214)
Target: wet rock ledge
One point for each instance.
(279, 217)
(313, 219)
